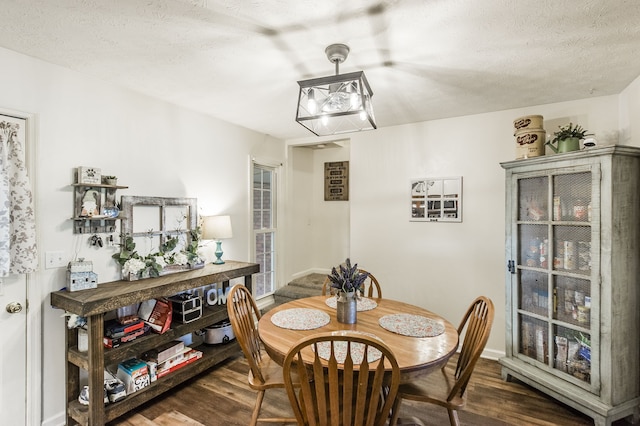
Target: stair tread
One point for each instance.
(293, 291)
(305, 286)
(309, 281)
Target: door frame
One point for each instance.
(34, 350)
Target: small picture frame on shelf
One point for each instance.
(89, 175)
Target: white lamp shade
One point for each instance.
(216, 228)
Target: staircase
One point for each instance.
(305, 286)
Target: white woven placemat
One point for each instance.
(411, 325)
(300, 319)
(357, 350)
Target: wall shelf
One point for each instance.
(94, 222)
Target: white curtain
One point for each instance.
(5, 208)
(18, 254)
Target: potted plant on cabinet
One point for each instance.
(567, 138)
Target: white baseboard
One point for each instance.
(57, 420)
(264, 302)
(492, 354)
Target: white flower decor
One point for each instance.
(166, 260)
(180, 259)
(160, 261)
(133, 266)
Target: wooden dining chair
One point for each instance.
(264, 373)
(443, 387)
(338, 384)
(370, 287)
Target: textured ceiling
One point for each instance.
(425, 59)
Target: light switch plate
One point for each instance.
(55, 259)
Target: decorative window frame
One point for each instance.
(166, 224)
(436, 199)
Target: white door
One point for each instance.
(19, 326)
(13, 355)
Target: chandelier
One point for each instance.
(336, 104)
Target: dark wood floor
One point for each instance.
(223, 397)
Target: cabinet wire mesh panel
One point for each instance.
(573, 248)
(554, 270)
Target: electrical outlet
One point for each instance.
(54, 259)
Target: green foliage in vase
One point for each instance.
(127, 251)
(347, 278)
(192, 247)
(168, 246)
(569, 131)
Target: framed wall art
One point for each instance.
(336, 181)
(89, 175)
(436, 199)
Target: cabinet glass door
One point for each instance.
(533, 265)
(533, 199)
(554, 271)
(571, 249)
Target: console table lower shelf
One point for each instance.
(94, 304)
(211, 355)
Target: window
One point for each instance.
(264, 228)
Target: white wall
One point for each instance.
(330, 219)
(629, 113)
(319, 229)
(156, 149)
(298, 220)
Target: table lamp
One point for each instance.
(217, 228)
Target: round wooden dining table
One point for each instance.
(415, 355)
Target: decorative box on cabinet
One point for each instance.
(95, 303)
(96, 221)
(573, 279)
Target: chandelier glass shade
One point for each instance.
(336, 104)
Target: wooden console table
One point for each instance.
(95, 303)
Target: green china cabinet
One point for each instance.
(573, 279)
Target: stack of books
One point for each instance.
(165, 352)
(171, 357)
(186, 357)
(116, 333)
(157, 313)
